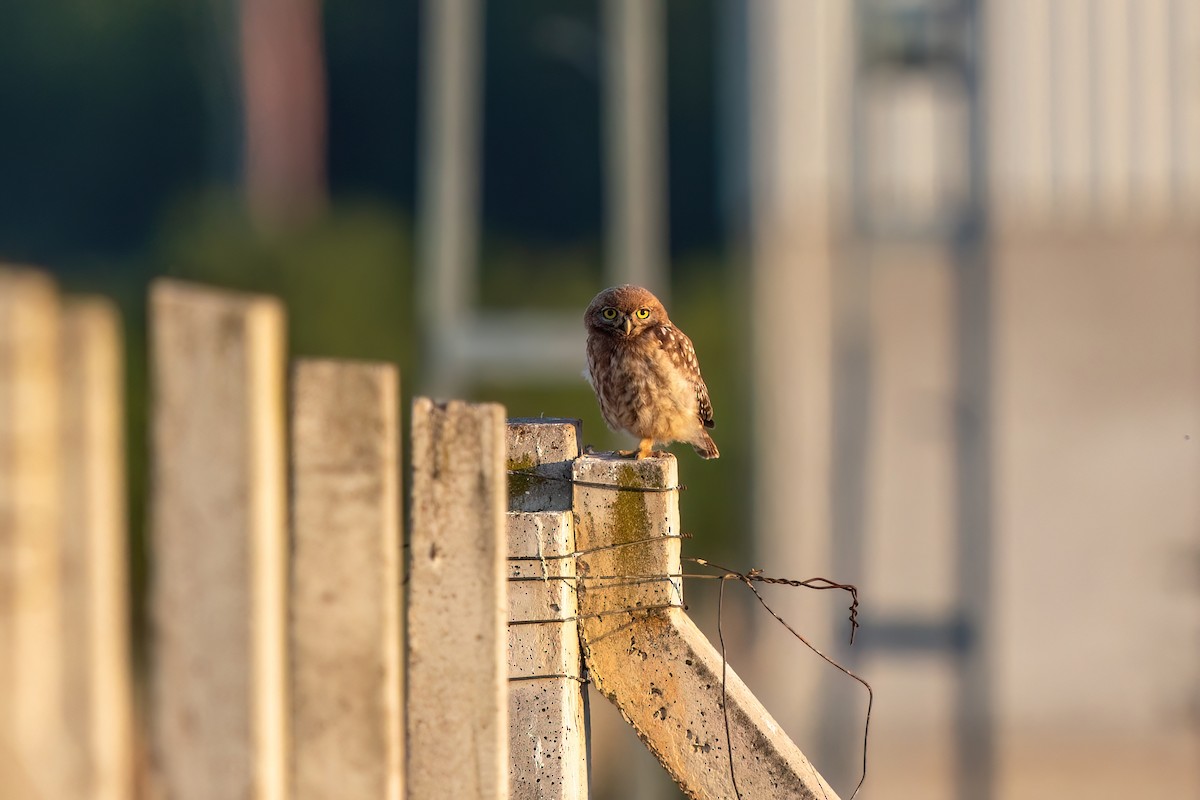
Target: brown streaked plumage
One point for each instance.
(645, 373)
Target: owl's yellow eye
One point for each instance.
(609, 313)
(643, 313)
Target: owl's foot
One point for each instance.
(645, 450)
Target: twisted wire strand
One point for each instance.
(528, 473)
(755, 576)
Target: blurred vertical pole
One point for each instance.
(448, 217)
(635, 142)
(635, 209)
(976, 765)
(96, 552)
(31, 632)
(733, 124)
(1113, 68)
(1184, 20)
(283, 92)
(219, 79)
(1153, 107)
(799, 86)
(218, 516)
(1071, 23)
(853, 381)
(1024, 150)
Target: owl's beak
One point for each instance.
(628, 325)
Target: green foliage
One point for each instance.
(103, 122)
(346, 278)
(715, 508)
(520, 275)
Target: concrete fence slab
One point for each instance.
(547, 708)
(344, 605)
(31, 631)
(217, 529)
(547, 704)
(457, 694)
(95, 552)
(540, 453)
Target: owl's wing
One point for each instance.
(706, 415)
(683, 352)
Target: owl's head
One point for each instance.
(624, 311)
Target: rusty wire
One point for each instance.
(528, 473)
(590, 550)
(724, 692)
(756, 576)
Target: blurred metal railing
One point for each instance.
(463, 344)
(936, 51)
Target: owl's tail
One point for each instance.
(705, 446)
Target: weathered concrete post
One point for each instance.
(344, 603)
(547, 712)
(645, 655)
(95, 551)
(457, 673)
(31, 632)
(218, 511)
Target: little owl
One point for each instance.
(644, 372)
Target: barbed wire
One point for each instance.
(528, 473)
(756, 576)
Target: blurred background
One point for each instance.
(940, 260)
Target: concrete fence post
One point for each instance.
(646, 656)
(457, 672)
(218, 509)
(31, 630)
(344, 604)
(547, 703)
(95, 552)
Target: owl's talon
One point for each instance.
(627, 453)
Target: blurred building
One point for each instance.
(978, 290)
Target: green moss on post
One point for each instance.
(518, 484)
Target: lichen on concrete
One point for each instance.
(519, 484)
(630, 523)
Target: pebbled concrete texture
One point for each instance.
(457, 611)
(547, 704)
(218, 531)
(542, 447)
(344, 605)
